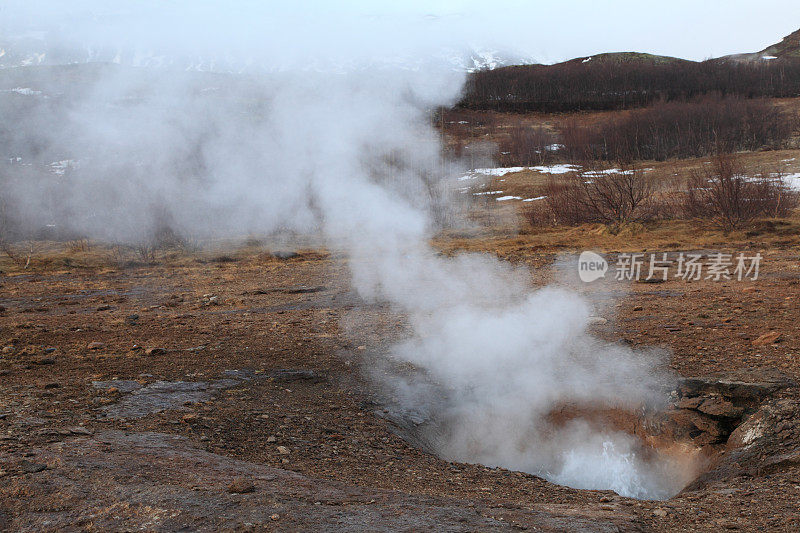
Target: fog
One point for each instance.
(346, 150)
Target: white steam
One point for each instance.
(352, 154)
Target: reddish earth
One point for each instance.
(234, 399)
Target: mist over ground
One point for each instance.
(122, 154)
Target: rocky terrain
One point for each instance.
(224, 392)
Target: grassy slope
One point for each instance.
(788, 47)
(627, 57)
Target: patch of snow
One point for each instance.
(534, 199)
(768, 58)
(497, 172)
(487, 193)
(554, 147)
(586, 60)
(787, 160)
(494, 172)
(502, 171)
(556, 169)
(59, 168)
(793, 181)
(25, 91)
(34, 59)
(504, 198)
(608, 171)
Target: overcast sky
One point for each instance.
(547, 31)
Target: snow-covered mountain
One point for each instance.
(33, 50)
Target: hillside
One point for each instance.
(787, 49)
(625, 80)
(625, 57)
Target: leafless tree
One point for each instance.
(614, 197)
(723, 193)
(625, 82)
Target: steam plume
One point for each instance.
(349, 152)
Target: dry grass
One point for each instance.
(669, 174)
(662, 235)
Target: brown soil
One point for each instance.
(246, 356)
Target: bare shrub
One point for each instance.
(619, 197)
(581, 143)
(528, 145)
(614, 197)
(778, 199)
(146, 251)
(698, 128)
(21, 255)
(625, 82)
(78, 246)
(722, 193)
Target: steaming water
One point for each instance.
(351, 154)
(612, 466)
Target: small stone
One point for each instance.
(271, 438)
(112, 390)
(44, 361)
(132, 320)
(8, 349)
(283, 450)
(770, 337)
(31, 468)
(275, 516)
(241, 486)
(96, 346)
(689, 403)
(597, 321)
(52, 385)
(104, 308)
(155, 351)
(281, 254)
(638, 308)
(661, 513)
(721, 408)
(189, 418)
(79, 430)
(689, 419)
